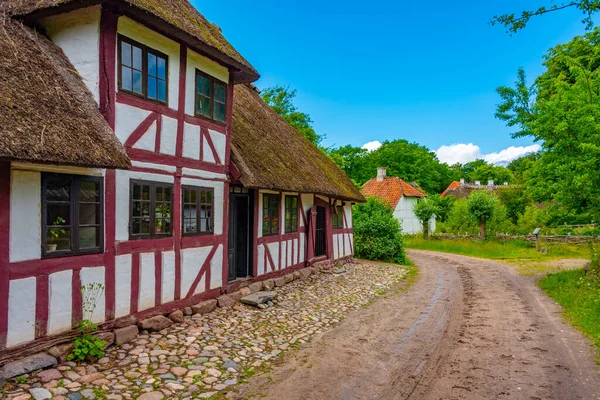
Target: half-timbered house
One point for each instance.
(136, 154)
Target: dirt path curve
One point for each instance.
(467, 329)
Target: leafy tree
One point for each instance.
(515, 199)
(425, 209)
(444, 206)
(561, 110)
(281, 99)
(481, 206)
(520, 166)
(377, 234)
(497, 173)
(513, 23)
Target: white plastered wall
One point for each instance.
(77, 33)
(405, 214)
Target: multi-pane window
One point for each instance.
(291, 214)
(338, 219)
(72, 221)
(198, 204)
(142, 70)
(211, 98)
(151, 209)
(270, 214)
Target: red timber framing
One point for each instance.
(4, 250)
(343, 234)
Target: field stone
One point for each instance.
(257, 298)
(187, 311)
(27, 364)
(245, 291)
(49, 375)
(156, 323)
(288, 278)
(225, 300)
(151, 396)
(231, 364)
(269, 284)
(108, 337)
(205, 307)
(127, 334)
(40, 394)
(296, 275)
(255, 287)
(176, 316)
(279, 282)
(305, 273)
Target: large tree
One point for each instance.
(561, 110)
(513, 23)
(482, 206)
(281, 99)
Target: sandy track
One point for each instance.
(467, 329)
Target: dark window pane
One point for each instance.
(137, 82)
(162, 68)
(58, 191)
(58, 215)
(219, 112)
(219, 92)
(126, 79)
(89, 238)
(89, 192)
(151, 64)
(152, 88)
(136, 226)
(203, 86)
(145, 226)
(137, 57)
(137, 192)
(137, 209)
(162, 90)
(58, 239)
(146, 208)
(125, 54)
(88, 214)
(145, 192)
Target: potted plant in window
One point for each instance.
(162, 212)
(55, 233)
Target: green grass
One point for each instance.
(579, 296)
(498, 250)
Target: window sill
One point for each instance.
(64, 253)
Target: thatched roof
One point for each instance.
(178, 17)
(47, 115)
(271, 154)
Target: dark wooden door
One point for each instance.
(320, 247)
(240, 228)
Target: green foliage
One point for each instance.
(281, 99)
(515, 199)
(579, 296)
(533, 217)
(561, 111)
(87, 346)
(377, 234)
(424, 210)
(444, 206)
(409, 161)
(497, 173)
(514, 23)
(481, 206)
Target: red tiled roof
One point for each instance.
(452, 186)
(390, 189)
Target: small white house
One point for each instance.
(401, 196)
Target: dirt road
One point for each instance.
(467, 329)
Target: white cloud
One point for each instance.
(464, 153)
(370, 146)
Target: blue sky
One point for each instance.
(381, 70)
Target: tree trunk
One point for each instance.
(482, 230)
(426, 230)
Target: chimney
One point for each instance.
(477, 183)
(490, 182)
(462, 181)
(381, 172)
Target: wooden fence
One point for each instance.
(530, 238)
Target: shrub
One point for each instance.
(482, 207)
(87, 346)
(377, 234)
(425, 209)
(533, 217)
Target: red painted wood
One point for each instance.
(201, 144)
(204, 124)
(157, 277)
(255, 236)
(229, 121)
(270, 258)
(145, 245)
(178, 304)
(177, 231)
(190, 242)
(205, 266)
(158, 133)
(211, 145)
(107, 99)
(204, 179)
(152, 171)
(142, 128)
(107, 57)
(4, 249)
(174, 161)
(181, 99)
(328, 226)
(311, 240)
(225, 267)
(135, 282)
(34, 268)
(279, 233)
(77, 301)
(301, 210)
(41, 306)
(133, 101)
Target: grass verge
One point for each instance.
(498, 250)
(579, 296)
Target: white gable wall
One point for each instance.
(405, 214)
